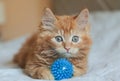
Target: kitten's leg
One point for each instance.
(79, 71)
(38, 72)
(79, 66)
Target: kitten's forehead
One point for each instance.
(66, 23)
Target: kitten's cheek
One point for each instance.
(59, 50)
(74, 51)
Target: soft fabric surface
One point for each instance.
(104, 58)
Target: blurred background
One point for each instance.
(20, 17)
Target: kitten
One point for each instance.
(58, 36)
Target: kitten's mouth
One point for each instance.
(66, 54)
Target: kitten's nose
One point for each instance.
(67, 49)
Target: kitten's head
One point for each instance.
(67, 35)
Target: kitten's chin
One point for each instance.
(67, 55)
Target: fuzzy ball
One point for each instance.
(62, 69)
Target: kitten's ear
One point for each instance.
(48, 19)
(82, 19)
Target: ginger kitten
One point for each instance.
(58, 36)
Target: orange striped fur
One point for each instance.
(41, 49)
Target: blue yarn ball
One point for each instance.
(62, 69)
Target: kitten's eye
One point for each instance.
(59, 38)
(75, 38)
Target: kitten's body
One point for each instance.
(39, 51)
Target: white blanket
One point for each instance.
(104, 58)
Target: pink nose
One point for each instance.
(67, 49)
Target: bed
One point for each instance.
(104, 57)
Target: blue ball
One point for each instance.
(62, 69)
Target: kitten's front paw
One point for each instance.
(39, 73)
(78, 71)
(46, 74)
